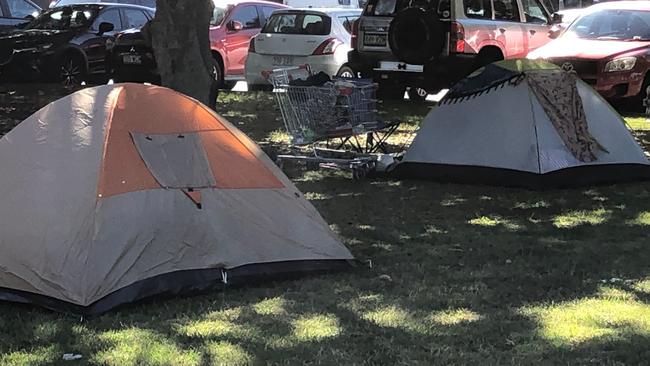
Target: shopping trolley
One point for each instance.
(338, 120)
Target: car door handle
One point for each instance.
(502, 30)
(532, 32)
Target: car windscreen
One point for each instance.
(219, 14)
(67, 2)
(68, 17)
(298, 23)
(392, 7)
(611, 24)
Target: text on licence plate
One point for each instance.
(374, 39)
(132, 59)
(282, 60)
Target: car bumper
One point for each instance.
(144, 71)
(617, 85)
(441, 73)
(611, 85)
(26, 64)
(256, 63)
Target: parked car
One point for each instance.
(432, 44)
(130, 58)
(323, 4)
(67, 43)
(146, 3)
(232, 26)
(317, 37)
(608, 46)
(16, 12)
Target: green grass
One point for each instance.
(460, 275)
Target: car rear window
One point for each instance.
(287, 23)
(392, 7)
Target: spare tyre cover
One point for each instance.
(416, 36)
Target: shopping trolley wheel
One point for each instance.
(280, 163)
(359, 172)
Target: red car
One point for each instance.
(608, 46)
(232, 26)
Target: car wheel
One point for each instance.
(487, 56)
(637, 102)
(417, 95)
(346, 72)
(217, 73)
(72, 70)
(416, 35)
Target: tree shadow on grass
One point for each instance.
(461, 274)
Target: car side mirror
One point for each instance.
(234, 26)
(554, 32)
(105, 27)
(557, 18)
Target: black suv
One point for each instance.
(67, 43)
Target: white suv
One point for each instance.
(431, 44)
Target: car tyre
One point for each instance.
(487, 56)
(636, 102)
(417, 95)
(72, 69)
(416, 36)
(218, 73)
(347, 72)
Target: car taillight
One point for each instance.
(328, 47)
(251, 46)
(457, 38)
(355, 34)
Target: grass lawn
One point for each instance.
(461, 275)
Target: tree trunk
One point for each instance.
(180, 38)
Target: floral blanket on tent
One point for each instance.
(558, 94)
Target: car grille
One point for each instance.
(585, 69)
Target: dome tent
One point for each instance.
(524, 123)
(121, 192)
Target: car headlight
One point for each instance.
(620, 64)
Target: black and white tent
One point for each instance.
(524, 123)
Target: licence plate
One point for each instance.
(374, 39)
(132, 59)
(282, 60)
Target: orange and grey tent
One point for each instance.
(121, 192)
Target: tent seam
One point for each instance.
(532, 110)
